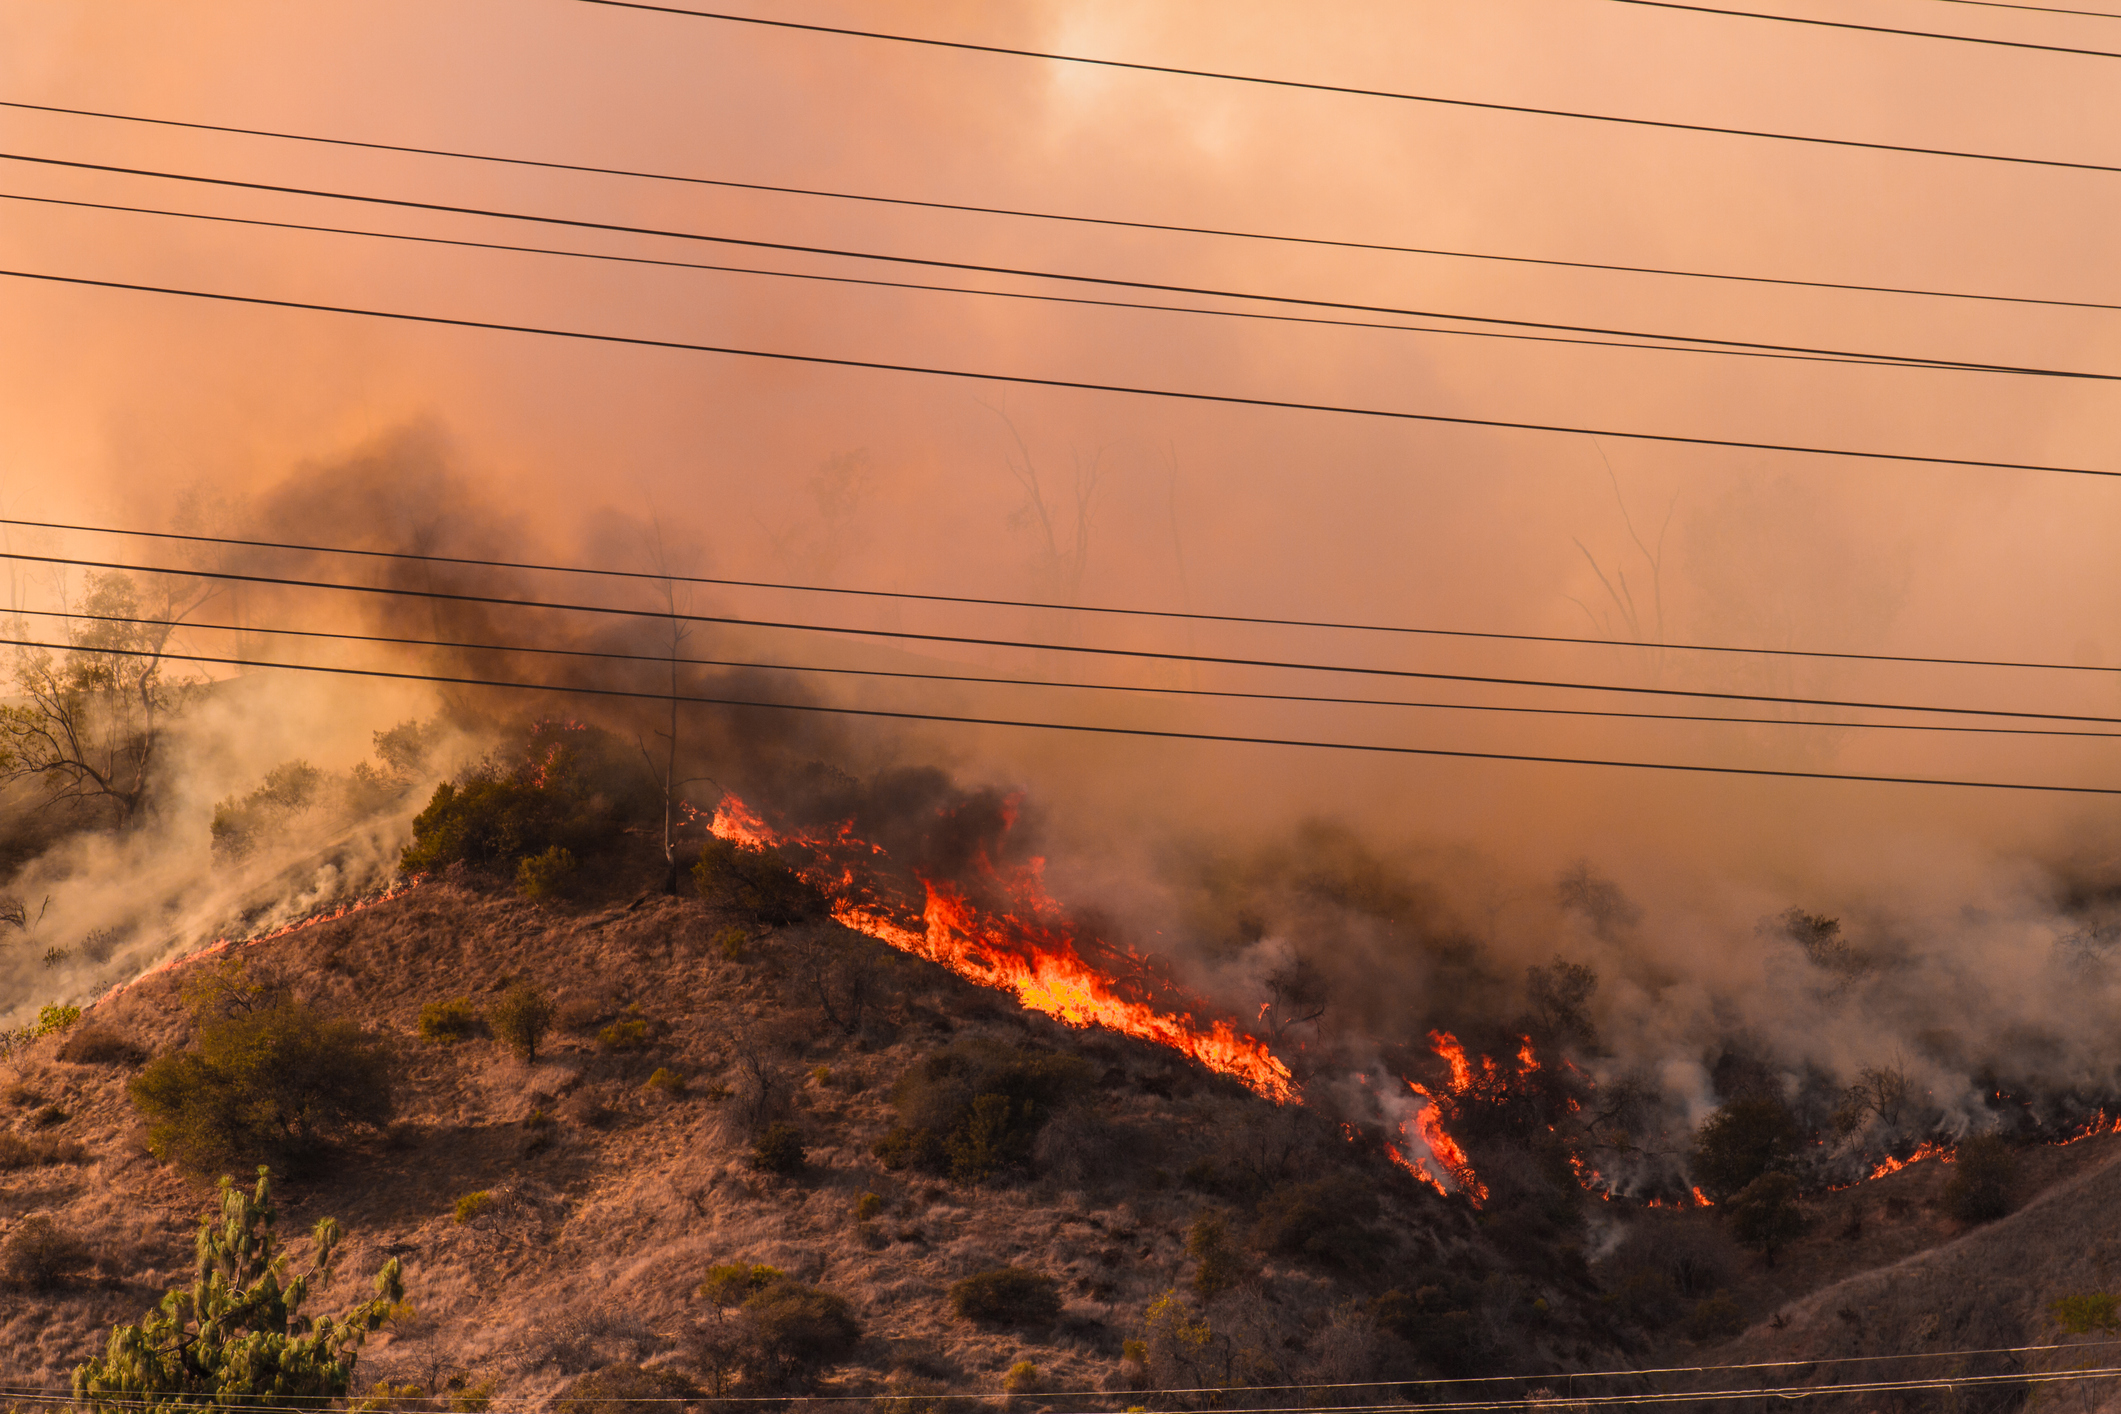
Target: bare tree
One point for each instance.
(91, 718)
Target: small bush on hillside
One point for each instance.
(624, 1036)
(668, 1081)
(868, 1206)
(1984, 1177)
(730, 943)
(778, 1149)
(1021, 1379)
(734, 1283)
(240, 823)
(449, 1021)
(1220, 1267)
(1714, 1318)
(1439, 1318)
(543, 877)
(471, 1205)
(41, 1255)
(976, 1109)
(626, 1389)
(278, 1082)
(755, 881)
(1740, 1142)
(520, 1020)
(1007, 1296)
(2090, 1311)
(797, 1330)
(17, 1152)
(1326, 1221)
(100, 1045)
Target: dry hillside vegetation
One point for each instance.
(830, 1120)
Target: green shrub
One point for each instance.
(1740, 1142)
(520, 1019)
(2088, 1312)
(1983, 1182)
(1007, 1296)
(668, 1081)
(449, 1021)
(1022, 1378)
(41, 1255)
(867, 1206)
(237, 1328)
(1715, 1317)
(730, 943)
(1208, 1242)
(734, 1283)
(626, 1389)
(779, 1149)
(53, 1019)
(471, 1205)
(547, 876)
(797, 1330)
(1764, 1214)
(975, 1109)
(755, 881)
(573, 789)
(1325, 1221)
(624, 1036)
(279, 1082)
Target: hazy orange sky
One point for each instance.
(113, 405)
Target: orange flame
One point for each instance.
(1929, 1150)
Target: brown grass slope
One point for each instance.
(603, 1222)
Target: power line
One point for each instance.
(1079, 385)
(2042, 9)
(1086, 728)
(1160, 655)
(1109, 221)
(661, 659)
(1137, 67)
(1161, 287)
(657, 577)
(1865, 361)
(1873, 29)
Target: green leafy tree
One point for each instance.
(239, 1332)
(1745, 1139)
(521, 1018)
(1764, 1214)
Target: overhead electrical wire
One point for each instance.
(1873, 29)
(1093, 729)
(1079, 385)
(1189, 615)
(1261, 315)
(1048, 56)
(2041, 9)
(1074, 218)
(674, 662)
(1089, 650)
(1116, 282)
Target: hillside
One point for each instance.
(611, 1199)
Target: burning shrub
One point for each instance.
(240, 822)
(1748, 1137)
(1007, 1296)
(41, 1255)
(449, 1021)
(279, 1081)
(520, 1020)
(756, 881)
(572, 790)
(544, 877)
(976, 1108)
(1980, 1189)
